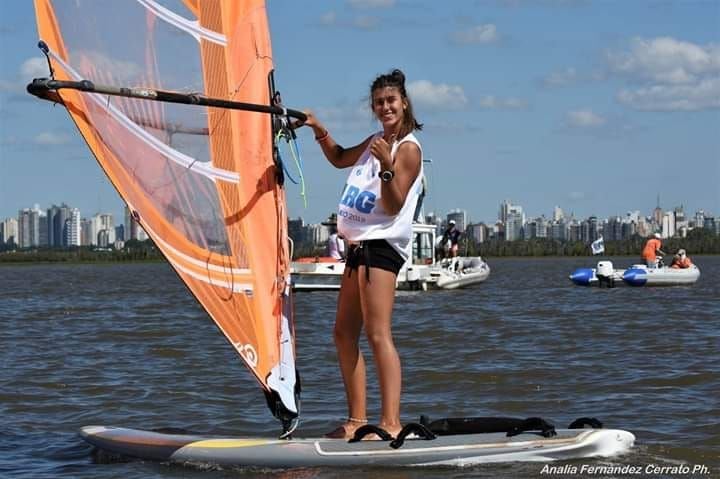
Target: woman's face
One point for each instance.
(388, 106)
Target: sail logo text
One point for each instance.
(363, 201)
(248, 353)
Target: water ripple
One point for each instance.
(81, 346)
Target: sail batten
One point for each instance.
(197, 170)
(173, 155)
(182, 23)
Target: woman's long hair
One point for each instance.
(396, 79)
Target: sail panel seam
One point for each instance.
(196, 262)
(176, 156)
(182, 23)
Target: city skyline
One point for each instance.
(512, 216)
(471, 218)
(589, 105)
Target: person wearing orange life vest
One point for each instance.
(651, 249)
(681, 260)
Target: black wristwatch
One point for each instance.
(386, 175)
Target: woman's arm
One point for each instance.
(338, 156)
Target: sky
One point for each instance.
(595, 106)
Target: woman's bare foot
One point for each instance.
(392, 429)
(347, 429)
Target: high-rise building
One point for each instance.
(514, 226)
(29, 227)
(679, 214)
(317, 234)
(590, 230)
(9, 231)
(103, 222)
(57, 217)
(86, 232)
(119, 233)
(478, 232)
(614, 229)
(629, 229)
(128, 224)
(644, 227)
(667, 225)
(558, 214)
(72, 228)
(507, 208)
(537, 228)
(296, 231)
(558, 230)
(657, 214)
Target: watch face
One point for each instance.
(386, 175)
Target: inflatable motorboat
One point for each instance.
(636, 275)
(458, 272)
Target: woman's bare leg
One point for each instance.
(377, 297)
(348, 325)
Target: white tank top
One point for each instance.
(360, 213)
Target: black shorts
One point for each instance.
(374, 254)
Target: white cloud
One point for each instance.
(35, 67)
(48, 138)
(584, 119)
(371, 3)
(329, 18)
(675, 75)
(8, 86)
(703, 95)
(439, 96)
(666, 60)
(346, 117)
(495, 103)
(479, 34)
(366, 22)
(568, 76)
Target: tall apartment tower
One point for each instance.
(72, 228)
(29, 227)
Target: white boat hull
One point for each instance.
(636, 275)
(459, 272)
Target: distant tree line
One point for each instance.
(134, 250)
(698, 241)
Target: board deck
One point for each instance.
(454, 450)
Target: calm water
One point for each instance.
(127, 345)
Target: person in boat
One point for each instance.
(375, 217)
(651, 249)
(681, 260)
(335, 243)
(451, 238)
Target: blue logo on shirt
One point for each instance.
(363, 201)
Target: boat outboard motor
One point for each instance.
(605, 274)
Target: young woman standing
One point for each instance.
(375, 216)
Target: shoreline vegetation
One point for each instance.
(698, 242)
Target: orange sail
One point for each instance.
(202, 181)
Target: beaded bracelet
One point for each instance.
(322, 138)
